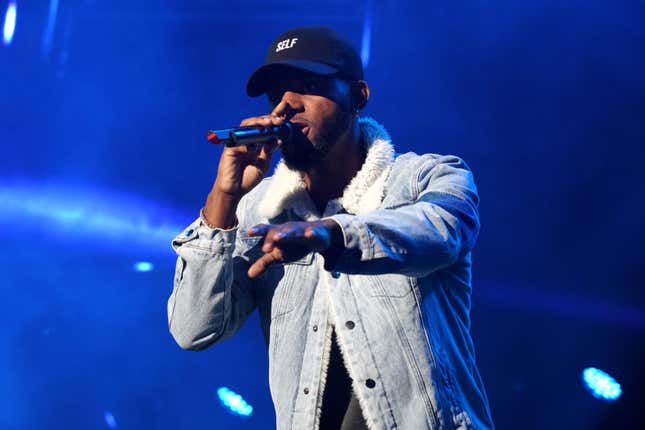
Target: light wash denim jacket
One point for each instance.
(398, 296)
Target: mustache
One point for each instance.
(300, 122)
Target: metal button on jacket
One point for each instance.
(335, 275)
(350, 324)
(370, 383)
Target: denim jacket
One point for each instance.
(398, 295)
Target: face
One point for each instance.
(320, 107)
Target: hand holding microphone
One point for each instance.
(245, 160)
(232, 137)
(260, 130)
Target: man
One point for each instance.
(357, 260)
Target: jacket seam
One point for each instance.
(176, 288)
(324, 368)
(409, 355)
(416, 179)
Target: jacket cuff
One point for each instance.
(199, 235)
(356, 242)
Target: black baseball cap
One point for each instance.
(317, 50)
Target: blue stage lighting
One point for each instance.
(366, 40)
(9, 23)
(233, 402)
(104, 217)
(48, 35)
(109, 419)
(143, 266)
(601, 385)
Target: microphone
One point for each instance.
(251, 135)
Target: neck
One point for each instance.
(328, 178)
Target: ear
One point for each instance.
(360, 94)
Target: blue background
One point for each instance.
(103, 115)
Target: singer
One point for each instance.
(357, 259)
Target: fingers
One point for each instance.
(312, 235)
(263, 120)
(282, 234)
(272, 238)
(263, 263)
(266, 151)
(280, 110)
(263, 151)
(287, 242)
(259, 230)
(288, 107)
(272, 235)
(310, 232)
(258, 155)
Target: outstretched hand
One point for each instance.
(284, 243)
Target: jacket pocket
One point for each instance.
(288, 284)
(390, 285)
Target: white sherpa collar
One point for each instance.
(364, 193)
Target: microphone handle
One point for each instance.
(239, 136)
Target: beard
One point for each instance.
(303, 154)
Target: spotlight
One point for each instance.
(366, 40)
(9, 23)
(109, 419)
(601, 385)
(48, 35)
(72, 212)
(233, 402)
(143, 266)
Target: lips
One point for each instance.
(302, 127)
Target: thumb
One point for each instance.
(263, 159)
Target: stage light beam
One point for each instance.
(601, 385)
(107, 218)
(9, 23)
(48, 35)
(110, 420)
(143, 266)
(233, 402)
(366, 40)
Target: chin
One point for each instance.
(301, 165)
(298, 155)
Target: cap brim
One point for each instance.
(262, 79)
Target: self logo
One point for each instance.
(286, 44)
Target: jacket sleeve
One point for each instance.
(212, 295)
(438, 227)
